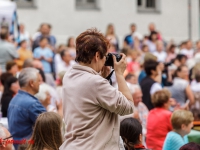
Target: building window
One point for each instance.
(148, 5)
(25, 3)
(86, 4)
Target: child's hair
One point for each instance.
(180, 117)
(130, 131)
(47, 132)
(161, 97)
(190, 146)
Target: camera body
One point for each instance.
(109, 59)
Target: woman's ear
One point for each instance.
(97, 56)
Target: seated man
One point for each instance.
(24, 107)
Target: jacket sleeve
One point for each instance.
(111, 99)
(13, 52)
(35, 110)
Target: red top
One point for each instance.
(158, 125)
(133, 67)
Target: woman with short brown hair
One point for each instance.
(91, 105)
(158, 121)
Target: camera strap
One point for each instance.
(109, 77)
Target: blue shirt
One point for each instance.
(22, 114)
(174, 141)
(129, 40)
(47, 53)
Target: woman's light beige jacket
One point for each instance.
(91, 108)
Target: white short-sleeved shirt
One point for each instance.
(155, 87)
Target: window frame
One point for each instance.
(144, 9)
(23, 4)
(84, 5)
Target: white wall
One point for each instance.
(172, 21)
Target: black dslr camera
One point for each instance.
(109, 59)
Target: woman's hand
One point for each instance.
(105, 71)
(120, 66)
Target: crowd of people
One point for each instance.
(59, 96)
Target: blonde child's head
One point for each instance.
(182, 120)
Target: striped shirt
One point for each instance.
(174, 141)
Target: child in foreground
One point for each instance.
(182, 122)
(131, 133)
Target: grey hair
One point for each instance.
(26, 75)
(133, 88)
(2, 131)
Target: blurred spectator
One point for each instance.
(24, 54)
(45, 30)
(57, 57)
(188, 51)
(131, 79)
(197, 47)
(71, 47)
(131, 133)
(67, 61)
(148, 56)
(152, 28)
(153, 38)
(48, 77)
(140, 108)
(11, 88)
(182, 59)
(24, 36)
(180, 89)
(111, 36)
(160, 53)
(128, 40)
(158, 122)
(44, 54)
(4, 77)
(149, 85)
(7, 50)
(145, 50)
(171, 53)
(12, 67)
(4, 136)
(182, 122)
(190, 146)
(183, 45)
(133, 67)
(136, 34)
(20, 121)
(195, 87)
(47, 132)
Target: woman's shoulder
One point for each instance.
(161, 111)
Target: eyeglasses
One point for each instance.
(8, 137)
(5, 139)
